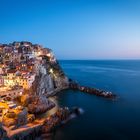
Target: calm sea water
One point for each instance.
(103, 119)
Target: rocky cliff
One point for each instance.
(49, 78)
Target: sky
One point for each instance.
(75, 29)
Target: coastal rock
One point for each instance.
(39, 104)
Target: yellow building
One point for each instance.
(24, 83)
(9, 79)
(3, 105)
(9, 82)
(12, 79)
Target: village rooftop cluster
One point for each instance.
(19, 62)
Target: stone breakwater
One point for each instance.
(93, 91)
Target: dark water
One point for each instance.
(103, 119)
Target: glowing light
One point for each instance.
(20, 93)
(39, 53)
(3, 105)
(49, 55)
(51, 71)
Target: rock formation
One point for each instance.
(39, 104)
(49, 77)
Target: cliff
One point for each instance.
(49, 78)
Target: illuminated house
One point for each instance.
(9, 79)
(25, 81)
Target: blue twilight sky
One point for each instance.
(75, 29)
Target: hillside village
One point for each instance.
(28, 74)
(19, 62)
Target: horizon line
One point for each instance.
(98, 59)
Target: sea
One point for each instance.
(103, 119)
